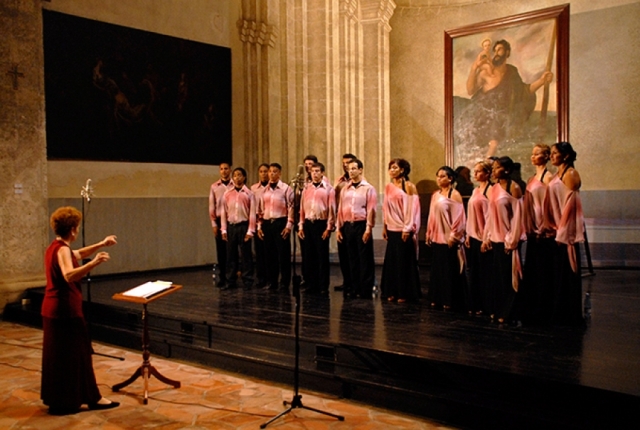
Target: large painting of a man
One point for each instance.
(504, 91)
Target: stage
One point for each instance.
(461, 369)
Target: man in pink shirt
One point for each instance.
(238, 223)
(258, 244)
(343, 257)
(317, 220)
(356, 219)
(275, 220)
(218, 188)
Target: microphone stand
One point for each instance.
(296, 402)
(87, 192)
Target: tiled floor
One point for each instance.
(208, 398)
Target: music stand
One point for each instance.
(146, 369)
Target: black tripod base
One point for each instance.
(296, 403)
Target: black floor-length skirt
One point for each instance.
(447, 283)
(478, 297)
(567, 288)
(400, 277)
(68, 380)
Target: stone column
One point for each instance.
(375, 15)
(23, 158)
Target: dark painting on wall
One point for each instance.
(118, 94)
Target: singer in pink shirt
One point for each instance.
(343, 257)
(275, 220)
(400, 278)
(317, 221)
(564, 217)
(218, 188)
(479, 263)
(533, 302)
(504, 233)
(258, 243)
(356, 219)
(445, 235)
(238, 223)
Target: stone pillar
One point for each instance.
(260, 83)
(375, 15)
(23, 158)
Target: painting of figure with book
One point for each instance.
(504, 90)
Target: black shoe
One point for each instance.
(268, 287)
(99, 406)
(338, 288)
(57, 410)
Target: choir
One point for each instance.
(511, 254)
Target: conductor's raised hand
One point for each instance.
(110, 240)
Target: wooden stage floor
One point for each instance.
(604, 354)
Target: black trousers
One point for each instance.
(278, 252)
(260, 261)
(315, 255)
(221, 251)
(237, 248)
(360, 256)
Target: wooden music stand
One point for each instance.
(146, 369)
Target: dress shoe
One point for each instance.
(338, 287)
(267, 287)
(101, 406)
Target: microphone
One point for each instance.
(298, 180)
(87, 191)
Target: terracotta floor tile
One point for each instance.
(208, 398)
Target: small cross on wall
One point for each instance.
(15, 74)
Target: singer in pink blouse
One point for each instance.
(479, 263)
(503, 233)
(564, 217)
(445, 234)
(534, 302)
(400, 279)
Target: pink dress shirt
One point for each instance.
(276, 203)
(238, 206)
(215, 195)
(358, 204)
(318, 203)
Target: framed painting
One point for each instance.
(507, 87)
(116, 93)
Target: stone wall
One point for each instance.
(23, 164)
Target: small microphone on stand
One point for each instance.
(298, 180)
(87, 191)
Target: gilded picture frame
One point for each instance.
(507, 86)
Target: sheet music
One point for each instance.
(148, 289)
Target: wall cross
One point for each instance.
(15, 74)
